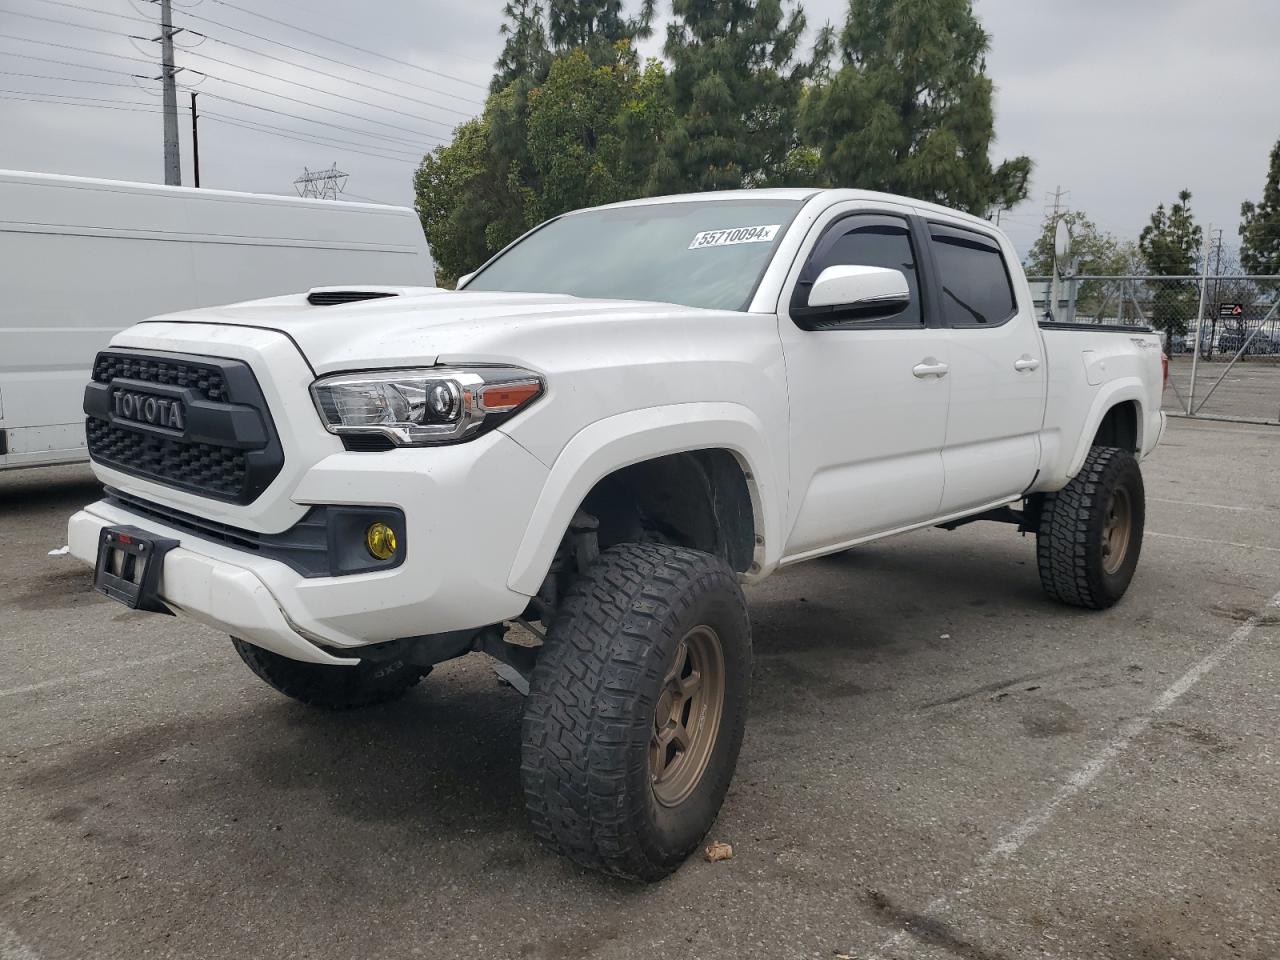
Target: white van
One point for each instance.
(81, 259)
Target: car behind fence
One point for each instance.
(1229, 370)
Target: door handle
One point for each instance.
(929, 367)
(1026, 362)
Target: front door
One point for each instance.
(868, 399)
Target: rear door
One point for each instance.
(868, 400)
(997, 368)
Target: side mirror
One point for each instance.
(855, 294)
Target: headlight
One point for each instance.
(419, 407)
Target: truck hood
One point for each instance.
(424, 326)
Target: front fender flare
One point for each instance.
(632, 437)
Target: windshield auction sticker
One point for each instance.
(725, 238)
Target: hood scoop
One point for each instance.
(331, 296)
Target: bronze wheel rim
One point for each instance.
(1117, 530)
(686, 717)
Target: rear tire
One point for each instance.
(332, 687)
(637, 708)
(1090, 531)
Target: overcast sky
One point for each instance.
(1121, 102)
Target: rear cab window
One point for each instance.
(977, 290)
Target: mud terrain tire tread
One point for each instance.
(589, 714)
(1069, 541)
(332, 687)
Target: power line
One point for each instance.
(415, 147)
(95, 106)
(234, 83)
(315, 106)
(323, 140)
(326, 59)
(79, 96)
(334, 76)
(68, 46)
(328, 93)
(45, 76)
(69, 63)
(276, 133)
(101, 13)
(269, 76)
(100, 103)
(287, 46)
(352, 46)
(323, 123)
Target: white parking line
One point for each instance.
(88, 675)
(1086, 774)
(1221, 543)
(1210, 506)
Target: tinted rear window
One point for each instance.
(976, 290)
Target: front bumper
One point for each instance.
(466, 508)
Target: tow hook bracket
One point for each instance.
(514, 662)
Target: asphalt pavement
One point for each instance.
(940, 762)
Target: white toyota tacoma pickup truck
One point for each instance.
(613, 425)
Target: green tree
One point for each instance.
(1260, 224)
(1169, 245)
(735, 86)
(1094, 251)
(470, 201)
(594, 131)
(1097, 251)
(910, 109)
(526, 54)
(596, 25)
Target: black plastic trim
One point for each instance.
(1104, 327)
(321, 544)
(229, 421)
(330, 298)
(819, 322)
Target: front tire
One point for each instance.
(332, 687)
(637, 708)
(1090, 532)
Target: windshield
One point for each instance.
(697, 253)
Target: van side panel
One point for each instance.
(82, 259)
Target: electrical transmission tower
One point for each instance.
(321, 184)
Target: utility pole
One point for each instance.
(172, 162)
(1058, 196)
(195, 139)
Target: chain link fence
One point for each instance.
(1231, 371)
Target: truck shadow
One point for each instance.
(52, 488)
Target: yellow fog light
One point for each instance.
(380, 540)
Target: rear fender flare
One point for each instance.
(1109, 395)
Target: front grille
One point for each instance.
(224, 445)
(207, 381)
(200, 467)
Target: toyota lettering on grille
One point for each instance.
(146, 408)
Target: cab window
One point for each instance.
(976, 289)
(866, 240)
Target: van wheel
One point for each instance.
(332, 687)
(1091, 531)
(636, 709)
